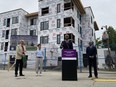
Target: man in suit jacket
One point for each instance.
(67, 44)
(20, 52)
(91, 52)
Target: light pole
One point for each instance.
(108, 59)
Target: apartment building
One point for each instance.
(32, 23)
(50, 23)
(12, 24)
(58, 17)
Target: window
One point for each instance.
(15, 20)
(40, 0)
(58, 8)
(78, 14)
(6, 46)
(78, 28)
(81, 44)
(2, 46)
(7, 34)
(45, 11)
(58, 23)
(14, 31)
(44, 25)
(32, 32)
(92, 32)
(68, 6)
(69, 22)
(8, 22)
(44, 39)
(33, 21)
(3, 33)
(81, 31)
(91, 19)
(58, 39)
(78, 42)
(4, 23)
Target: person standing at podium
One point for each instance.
(67, 43)
(69, 65)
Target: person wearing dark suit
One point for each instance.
(66, 44)
(91, 52)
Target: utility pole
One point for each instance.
(107, 37)
(108, 59)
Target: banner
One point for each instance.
(30, 42)
(69, 55)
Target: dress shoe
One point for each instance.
(96, 76)
(89, 76)
(22, 75)
(16, 76)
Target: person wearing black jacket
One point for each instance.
(67, 44)
(69, 67)
(91, 52)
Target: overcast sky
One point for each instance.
(104, 10)
(28, 5)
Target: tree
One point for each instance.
(98, 42)
(112, 38)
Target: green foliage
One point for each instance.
(98, 42)
(113, 46)
(112, 38)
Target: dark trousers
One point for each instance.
(93, 62)
(18, 65)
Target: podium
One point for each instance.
(69, 65)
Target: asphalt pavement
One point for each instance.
(52, 78)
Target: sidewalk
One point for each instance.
(53, 79)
